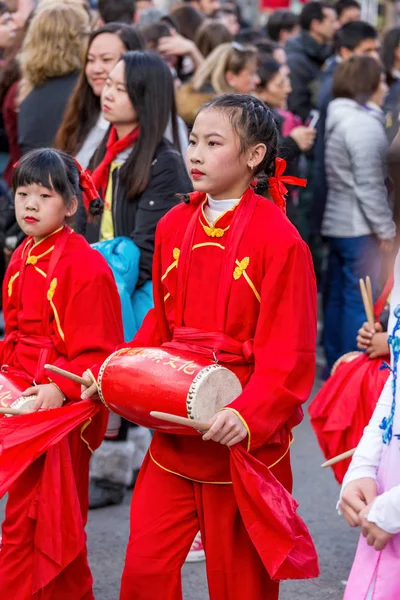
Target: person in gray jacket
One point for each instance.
(358, 222)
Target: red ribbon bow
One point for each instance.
(277, 187)
(90, 193)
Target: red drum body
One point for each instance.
(135, 381)
(11, 388)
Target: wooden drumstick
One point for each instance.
(180, 420)
(338, 458)
(68, 375)
(368, 308)
(368, 285)
(11, 411)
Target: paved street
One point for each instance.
(316, 491)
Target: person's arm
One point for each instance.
(168, 177)
(299, 100)
(284, 345)
(367, 153)
(180, 46)
(367, 457)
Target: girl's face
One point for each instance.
(246, 81)
(115, 103)
(213, 157)
(276, 91)
(40, 211)
(104, 53)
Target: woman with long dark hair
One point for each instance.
(84, 126)
(391, 63)
(139, 173)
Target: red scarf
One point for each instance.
(113, 148)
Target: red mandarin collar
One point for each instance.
(36, 250)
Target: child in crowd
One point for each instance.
(233, 281)
(61, 306)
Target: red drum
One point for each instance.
(135, 381)
(11, 388)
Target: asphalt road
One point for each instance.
(316, 491)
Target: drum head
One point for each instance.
(213, 388)
(24, 404)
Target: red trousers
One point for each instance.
(18, 533)
(166, 513)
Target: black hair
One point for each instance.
(117, 11)
(266, 46)
(281, 20)
(312, 11)
(342, 5)
(51, 169)
(254, 124)
(150, 88)
(352, 34)
(249, 36)
(267, 68)
(83, 107)
(390, 43)
(188, 20)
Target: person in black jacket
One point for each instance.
(273, 89)
(307, 53)
(139, 174)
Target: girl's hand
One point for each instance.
(379, 345)
(91, 390)
(365, 334)
(47, 395)
(355, 497)
(376, 537)
(226, 428)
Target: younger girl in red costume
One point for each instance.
(61, 306)
(232, 281)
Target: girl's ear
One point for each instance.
(72, 208)
(256, 155)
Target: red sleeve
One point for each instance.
(284, 346)
(92, 329)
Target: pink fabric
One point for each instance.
(385, 564)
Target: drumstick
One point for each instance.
(369, 292)
(180, 420)
(68, 375)
(338, 458)
(368, 308)
(11, 411)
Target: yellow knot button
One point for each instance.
(51, 290)
(175, 253)
(214, 232)
(32, 260)
(242, 266)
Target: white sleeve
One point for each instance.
(367, 457)
(385, 511)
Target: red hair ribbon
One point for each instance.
(90, 193)
(277, 187)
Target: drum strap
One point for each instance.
(215, 345)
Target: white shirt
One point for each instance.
(214, 208)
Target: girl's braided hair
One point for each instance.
(254, 124)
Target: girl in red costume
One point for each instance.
(232, 281)
(61, 306)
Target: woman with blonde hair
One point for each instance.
(229, 68)
(51, 59)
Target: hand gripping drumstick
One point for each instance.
(338, 458)
(180, 420)
(369, 310)
(68, 375)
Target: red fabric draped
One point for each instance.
(59, 532)
(279, 535)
